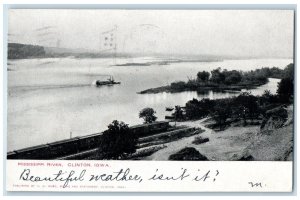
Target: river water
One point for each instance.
(52, 99)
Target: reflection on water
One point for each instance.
(49, 98)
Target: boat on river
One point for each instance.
(109, 81)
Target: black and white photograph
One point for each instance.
(150, 85)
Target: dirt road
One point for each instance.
(223, 145)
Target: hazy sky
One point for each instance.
(263, 33)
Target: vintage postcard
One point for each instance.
(150, 100)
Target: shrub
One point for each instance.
(117, 141)
(203, 76)
(188, 153)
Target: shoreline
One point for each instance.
(222, 88)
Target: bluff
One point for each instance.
(275, 139)
(21, 51)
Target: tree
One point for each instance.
(232, 77)
(248, 106)
(221, 112)
(198, 109)
(148, 114)
(178, 113)
(268, 98)
(193, 109)
(289, 71)
(259, 76)
(285, 90)
(217, 76)
(203, 76)
(117, 141)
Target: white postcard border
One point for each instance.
(189, 176)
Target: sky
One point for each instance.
(241, 33)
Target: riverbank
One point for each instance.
(220, 88)
(235, 143)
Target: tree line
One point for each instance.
(219, 78)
